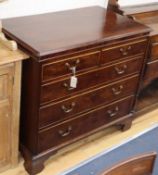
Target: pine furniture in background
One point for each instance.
(10, 88)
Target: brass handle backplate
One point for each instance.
(125, 51)
(68, 109)
(65, 133)
(73, 67)
(117, 91)
(121, 70)
(114, 112)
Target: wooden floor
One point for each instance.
(89, 147)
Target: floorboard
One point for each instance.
(89, 147)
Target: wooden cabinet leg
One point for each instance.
(125, 125)
(34, 164)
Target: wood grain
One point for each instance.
(51, 33)
(8, 56)
(147, 14)
(6, 89)
(10, 83)
(89, 147)
(71, 33)
(139, 165)
(15, 120)
(95, 78)
(52, 113)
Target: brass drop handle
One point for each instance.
(70, 109)
(125, 51)
(118, 90)
(114, 112)
(73, 68)
(68, 87)
(65, 133)
(122, 70)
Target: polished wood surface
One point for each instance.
(147, 15)
(139, 9)
(151, 73)
(71, 129)
(51, 33)
(95, 78)
(150, 19)
(148, 98)
(113, 5)
(140, 165)
(65, 109)
(85, 61)
(154, 51)
(124, 51)
(79, 51)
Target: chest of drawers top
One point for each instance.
(68, 31)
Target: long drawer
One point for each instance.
(71, 107)
(60, 89)
(69, 130)
(123, 51)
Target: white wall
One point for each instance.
(26, 7)
(134, 2)
(12, 8)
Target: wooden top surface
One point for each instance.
(147, 14)
(8, 56)
(151, 20)
(48, 34)
(135, 9)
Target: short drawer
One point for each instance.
(151, 72)
(65, 67)
(123, 51)
(69, 130)
(73, 106)
(60, 89)
(154, 51)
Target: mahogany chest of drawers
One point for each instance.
(147, 14)
(103, 51)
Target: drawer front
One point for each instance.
(123, 51)
(151, 72)
(154, 51)
(65, 67)
(71, 129)
(71, 107)
(60, 89)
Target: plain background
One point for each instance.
(12, 8)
